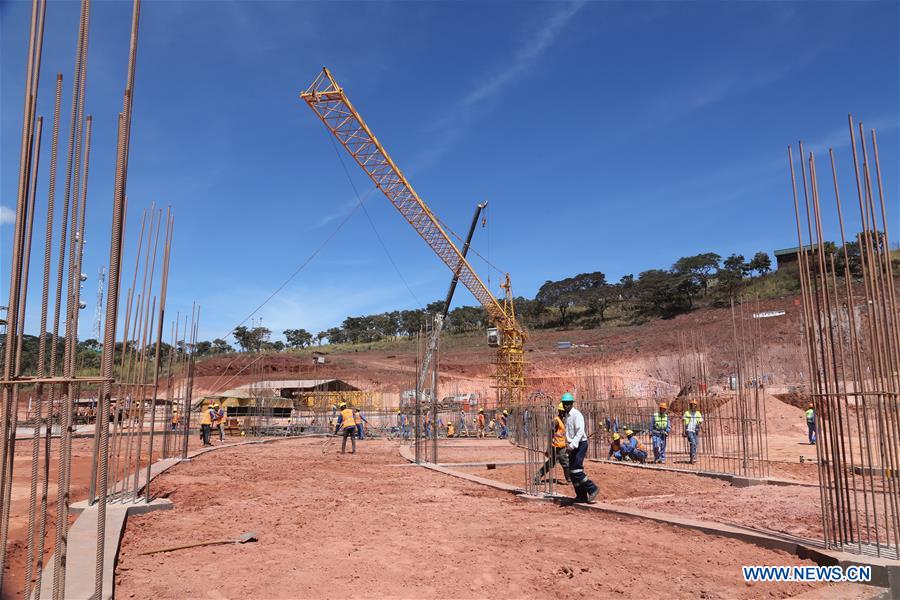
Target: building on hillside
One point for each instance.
(277, 398)
(788, 256)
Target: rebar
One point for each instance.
(850, 310)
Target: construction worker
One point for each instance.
(175, 420)
(427, 417)
(557, 452)
(615, 448)
(347, 427)
(659, 432)
(811, 422)
(206, 419)
(220, 421)
(504, 425)
(463, 423)
(633, 448)
(577, 445)
(480, 424)
(402, 425)
(693, 418)
(360, 420)
(451, 429)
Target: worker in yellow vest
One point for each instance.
(206, 424)
(811, 422)
(659, 432)
(693, 419)
(480, 426)
(451, 429)
(557, 453)
(347, 427)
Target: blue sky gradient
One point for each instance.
(606, 136)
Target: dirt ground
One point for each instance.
(361, 525)
(17, 548)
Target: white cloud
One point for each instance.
(7, 215)
(451, 127)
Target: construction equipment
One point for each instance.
(330, 103)
(439, 319)
(249, 536)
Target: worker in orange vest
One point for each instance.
(481, 422)
(347, 426)
(205, 425)
(615, 448)
(557, 453)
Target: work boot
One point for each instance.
(592, 496)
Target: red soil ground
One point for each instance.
(17, 549)
(336, 526)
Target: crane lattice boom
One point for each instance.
(331, 104)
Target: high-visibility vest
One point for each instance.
(348, 420)
(696, 417)
(559, 434)
(810, 416)
(221, 414)
(205, 418)
(661, 420)
(451, 430)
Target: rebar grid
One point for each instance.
(851, 334)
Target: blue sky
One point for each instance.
(606, 136)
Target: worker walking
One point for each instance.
(504, 425)
(557, 453)
(206, 420)
(633, 448)
(402, 425)
(616, 448)
(577, 445)
(347, 427)
(463, 427)
(693, 418)
(811, 422)
(659, 432)
(220, 421)
(481, 422)
(361, 422)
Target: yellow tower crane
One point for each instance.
(332, 106)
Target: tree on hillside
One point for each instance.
(734, 266)
(761, 263)
(660, 293)
(220, 346)
(297, 338)
(467, 318)
(321, 336)
(699, 268)
(411, 321)
(251, 340)
(203, 348)
(336, 335)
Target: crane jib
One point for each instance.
(332, 106)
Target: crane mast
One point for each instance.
(328, 100)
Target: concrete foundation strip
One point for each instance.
(885, 573)
(82, 536)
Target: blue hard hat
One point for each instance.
(568, 397)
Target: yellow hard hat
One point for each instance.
(505, 412)
(342, 405)
(629, 432)
(694, 402)
(560, 406)
(616, 436)
(663, 405)
(480, 410)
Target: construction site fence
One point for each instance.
(732, 438)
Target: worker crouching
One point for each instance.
(633, 449)
(577, 445)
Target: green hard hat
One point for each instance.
(568, 397)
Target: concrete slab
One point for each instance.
(81, 549)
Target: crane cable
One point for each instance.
(371, 222)
(296, 272)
